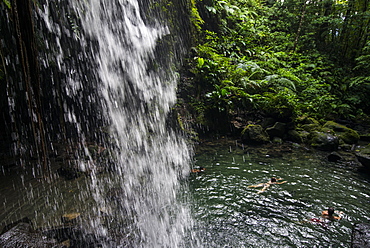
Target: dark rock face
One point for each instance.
(361, 235)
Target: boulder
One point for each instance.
(361, 235)
(305, 136)
(74, 236)
(278, 130)
(267, 122)
(277, 140)
(294, 136)
(364, 159)
(307, 120)
(334, 157)
(310, 127)
(254, 134)
(23, 236)
(346, 134)
(13, 224)
(363, 156)
(324, 141)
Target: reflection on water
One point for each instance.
(229, 214)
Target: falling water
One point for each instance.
(133, 95)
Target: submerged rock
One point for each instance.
(361, 235)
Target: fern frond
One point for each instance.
(365, 81)
(279, 82)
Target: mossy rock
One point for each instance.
(295, 136)
(307, 120)
(346, 134)
(254, 134)
(305, 136)
(311, 120)
(278, 130)
(310, 127)
(277, 140)
(324, 141)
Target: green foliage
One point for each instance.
(7, 3)
(363, 69)
(195, 18)
(248, 63)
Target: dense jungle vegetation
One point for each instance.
(285, 59)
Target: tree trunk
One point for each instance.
(300, 26)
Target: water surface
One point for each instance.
(229, 214)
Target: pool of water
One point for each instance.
(225, 211)
(228, 213)
(24, 194)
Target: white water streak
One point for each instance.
(150, 158)
(136, 100)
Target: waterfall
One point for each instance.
(119, 78)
